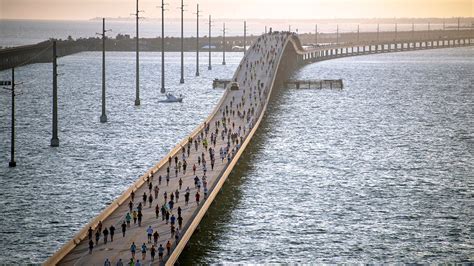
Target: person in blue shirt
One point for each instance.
(144, 248)
(161, 250)
(133, 249)
(149, 232)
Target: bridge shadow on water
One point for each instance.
(205, 241)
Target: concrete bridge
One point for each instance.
(225, 134)
(374, 47)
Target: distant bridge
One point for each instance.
(266, 65)
(387, 46)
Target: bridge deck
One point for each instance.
(256, 75)
(258, 65)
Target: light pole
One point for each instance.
(137, 76)
(316, 34)
(209, 45)
(378, 32)
(245, 36)
(223, 44)
(182, 44)
(11, 83)
(358, 32)
(163, 90)
(55, 139)
(103, 117)
(197, 40)
(396, 31)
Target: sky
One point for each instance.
(237, 9)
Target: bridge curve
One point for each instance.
(238, 114)
(265, 66)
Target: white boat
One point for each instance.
(170, 98)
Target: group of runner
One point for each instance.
(225, 135)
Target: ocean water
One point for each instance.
(54, 192)
(380, 172)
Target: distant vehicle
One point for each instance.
(234, 86)
(170, 98)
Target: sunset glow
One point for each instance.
(296, 9)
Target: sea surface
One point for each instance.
(379, 172)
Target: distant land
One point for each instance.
(433, 20)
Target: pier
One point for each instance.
(266, 66)
(315, 84)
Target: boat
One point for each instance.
(170, 98)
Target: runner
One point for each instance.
(128, 218)
(106, 234)
(157, 190)
(176, 194)
(133, 249)
(144, 248)
(135, 216)
(112, 232)
(91, 246)
(97, 237)
(157, 210)
(139, 216)
(155, 237)
(152, 252)
(150, 200)
(124, 228)
(186, 198)
(168, 248)
(144, 198)
(149, 232)
(180, 222)
(160, 252)
(197, 197)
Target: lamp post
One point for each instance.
(163, 90)
(316, 34)
(223, 44)
(11, 83)
(197, 40)
(209, 45)
(245, 36)
(103, 117)
(55, 139)
(137, 75)
(182, 44)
